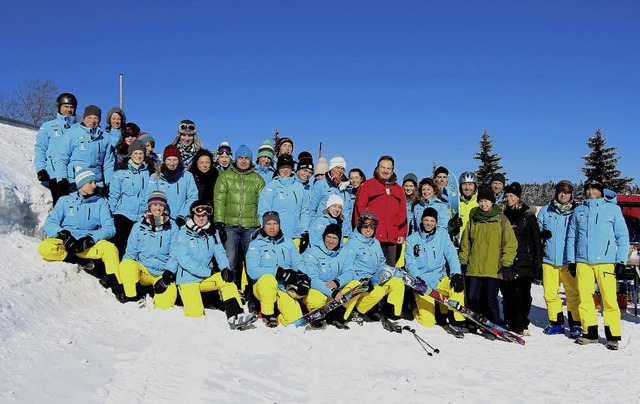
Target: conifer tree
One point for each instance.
(602, 164)
(489, 162)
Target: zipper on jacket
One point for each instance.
(607, 249)
(597, 218)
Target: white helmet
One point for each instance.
(468, 176)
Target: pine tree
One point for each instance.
(601, 164)
(489, 162)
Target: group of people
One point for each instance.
(286, 235)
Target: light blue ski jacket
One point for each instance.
(555, 248)
(426, 256)
(89, 148)
(82, 217)
(50, 144)
(320, 193)
(441, 207)
(323, 265)
(266, 254)
(152, 248)
(287, 197)
(317, 227)
(364, 256)
(193, 253)
(128, 193)
(180, 194)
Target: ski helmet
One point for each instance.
(66, 98)
(367, 216)
(468, 176)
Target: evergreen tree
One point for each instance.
(489, 162)
(601, 164)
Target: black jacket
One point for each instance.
(528, 262)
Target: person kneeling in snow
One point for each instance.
(271, 262)
(147, 257)
(203, 267)
(79, 227)
(428, 251)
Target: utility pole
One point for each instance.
(121, 90)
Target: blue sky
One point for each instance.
(420, 80)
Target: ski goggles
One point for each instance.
(224, 153)
(187, 129)
(369, 224)
(203, 210)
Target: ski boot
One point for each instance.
(453, 330)
(270, 321)
(242, 321)
(575, 331)
(553, 329)
(612, 345)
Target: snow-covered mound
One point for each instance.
(64, 339)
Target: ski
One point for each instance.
(500, 332)
(321, 312)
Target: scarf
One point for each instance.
(199, 230)
(481, 216)
(156, 222)
(172, 176)
(562, 208)
(186, 152)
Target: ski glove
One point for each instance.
(227, 275)
(222, 233)
(67, 239)
(43, 175)
(571, 267)
(180, 221)
(300, 287)
(545, 235)
(621, 270)
(463, 268)
(457, 283)
(63, 187)
(455, 223)
(537, 273)
(81, 244)
(304, 242)
(286, 275)
(508, 273)
(163, 283)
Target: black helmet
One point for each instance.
(66, 98)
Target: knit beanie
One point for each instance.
(337, 161)
(431, 212)
(136, 145)
(145, 137)
(410, 177)
(116, 110)
(304, 162)
(321, 167)
(304, 155)
(94, 110)
(285, 160)
(594, 183)
(266, 150)
(440, 170)
(83, 176)
(157, 197)
(487, 194)
(498, 177)
(513, 188)
(271, 215)
(334, 200)
(244, 151)
(224, 146)
(333, 229)
(282, 141)
(187, 127)
(171, 150)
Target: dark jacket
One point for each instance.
(528, 262)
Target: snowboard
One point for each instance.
(321, 312)
(453, 194)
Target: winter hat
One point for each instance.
(282, 141)
(186, 127)
(514, 188)
(145, 137)
(130, 128)
(594, 183)
(486, 193)
(431, 212)
(171, 150)
(285, 160)
(334, 200)
(116, 110)
(498, 177)
(410, 177)
(440, 170)
(337, 161)
(321, 167)
(333, 229)
(83, 176)
(304, 155)
(266, 150)
(224, 146)
(136, 145)
(92, 110)
(244, 151)
(271, 215)
(157, 197)
(564, 185)
(304, 162)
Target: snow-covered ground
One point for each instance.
(63, 338)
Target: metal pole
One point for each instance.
(121, 90)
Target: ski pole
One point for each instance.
(421, 341)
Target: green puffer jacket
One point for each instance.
(235, 197)
(488, 243)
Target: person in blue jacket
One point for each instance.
(430, 197)
(365, 259)
(597, 248)
(148, 254)
(304, 172)
(79, 227)
(553, 220)
(331, 214)
(273, 263)
(335, 182)
(130, 132)
(49, 143)
(202, 266)
(330, 277)
(264, 162)
(89, 147)
(116, 119)
(286, 196)
(429, 252)
(176, 182)
(128, 192)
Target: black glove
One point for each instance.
(300, 287)
(455, 221)
(545, 234)
(104, 191)
(222, 233)
(163, 283)
(304, 242)
(82, 244)
(463, 268)
(621, 270)
(286, 275)
(67, 239)
(227, 275)
(63, 187)
(508, 273)
(180, 221)
(43, 175)
(571, 267)
(457, 283)
(537, 273)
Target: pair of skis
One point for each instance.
(321, 312)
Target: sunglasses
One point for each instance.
(203, 210)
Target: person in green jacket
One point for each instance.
(235, 213)
(487, 251)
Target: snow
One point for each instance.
(63, 338)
